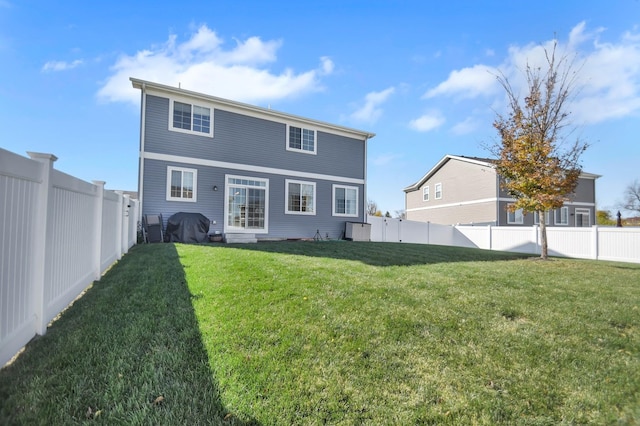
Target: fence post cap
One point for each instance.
(42, 156)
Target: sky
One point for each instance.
(421, 75)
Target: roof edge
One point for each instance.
(141, 84)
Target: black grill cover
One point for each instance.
(187, 228)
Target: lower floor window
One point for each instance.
(345, 200)
(515, 217)
(562, 216)
(300, 197)
(247, 203)
(181, 184)
(536, 218)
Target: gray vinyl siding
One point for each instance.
(462, 182)
(252, 141)
(211, 203)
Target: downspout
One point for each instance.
(143, 107)
(364, 206)
(497, 198)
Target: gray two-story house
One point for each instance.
(251, 171)
(466, 190)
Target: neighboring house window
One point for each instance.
(345, 200)
(547, 218)
(300, 196)
(182, 184)
(583, 217)
(438, 190)
(190, 118)
(562, 216)
(301, 140)
(247, 204)
(425, 193)
(515, 217)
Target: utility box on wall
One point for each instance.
(356, 231)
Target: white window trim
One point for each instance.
(333, 200)
(286, 197)
(236, 230)
(425, 193)
(559, 222)
(438, 190)
(581, 212)
(192, 103)
(171, 169)
(547, 218)
(303, 151)
(518, 216)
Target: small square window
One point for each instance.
(301, 140)
(547, 218)
(515, 217)
(188, 118)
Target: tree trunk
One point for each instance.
(543, 236)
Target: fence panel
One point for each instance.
(571, 242)
(57, 234)
(511, 238)
(412, 232)
(70, 241)
(110, 247)
(621, 244)
(19, 180)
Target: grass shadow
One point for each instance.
(382, 254)
(128, 352)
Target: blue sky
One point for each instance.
(419, 74)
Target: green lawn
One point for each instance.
(338, 333)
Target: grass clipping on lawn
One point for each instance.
(338, 333)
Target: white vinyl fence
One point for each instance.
(58, 234)
(603, 243)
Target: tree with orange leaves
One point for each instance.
(538, 165)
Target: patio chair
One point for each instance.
(152, 228)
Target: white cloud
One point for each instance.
(327, 65)
(427, 122)
(202, 64)
(608, 85)
(370, 112)
(467, 126)
(384, 159)
(467, 83)
(61, 65)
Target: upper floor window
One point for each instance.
(345, 200)
(562, 216)
(438, 190)
(300, 197)
(182, 184)
(302, 140)
(191, 118)
(515, 217)
(425, 193)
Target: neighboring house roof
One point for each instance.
(251, 109)
(487, 162)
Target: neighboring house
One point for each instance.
(466, 190)
(255, 173)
